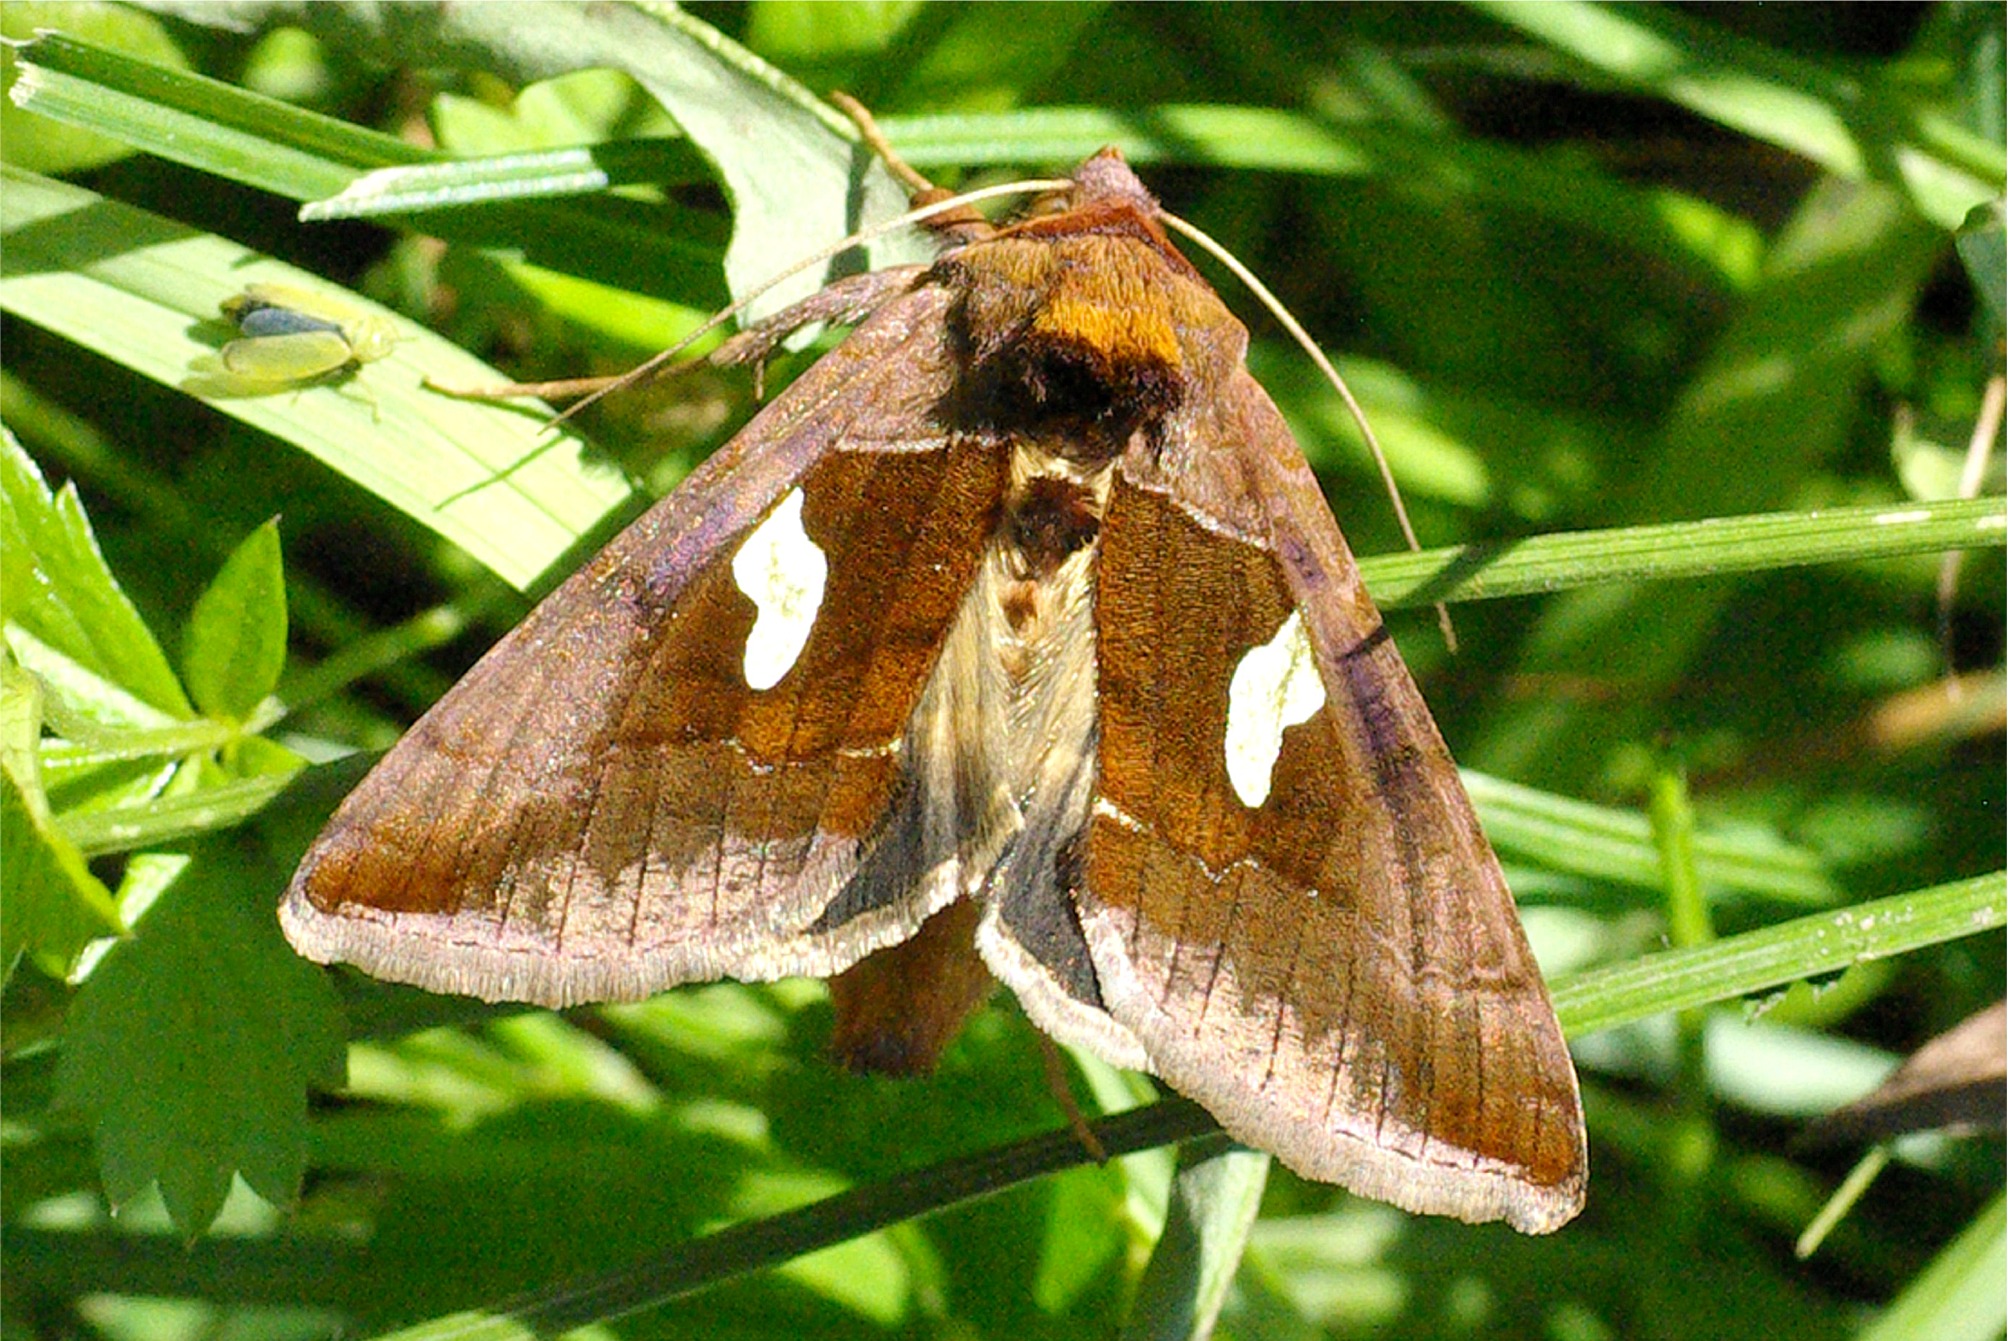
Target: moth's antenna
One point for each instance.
(930, 203)
(592, 389)
(875, 140)
(1310, 346)
(921, 214)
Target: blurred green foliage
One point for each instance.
(1585, 267)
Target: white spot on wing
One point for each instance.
(782, 572)
(1276, 686)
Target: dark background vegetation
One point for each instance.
(1570, 301)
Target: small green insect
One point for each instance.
(292, 336)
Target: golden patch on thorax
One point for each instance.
(1113, 295)
(1091, 329)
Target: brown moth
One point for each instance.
(1015, 639)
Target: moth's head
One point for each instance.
(1107, 177)
(1104, 179)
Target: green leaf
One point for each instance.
(1958, 1297)
(799, 184)
(144, 291)
(1982, 241)
(301, 155)
(237, 632)
(191, 1048)
(59, 590)
(1214, 1199)
(164, 820)
(35, 142)
(51, 906)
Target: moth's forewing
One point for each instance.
(636, 787)
(1316, 941)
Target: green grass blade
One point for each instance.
(1830, 116)
(754, 1245)
(302, 155)
(1672, 225)
(1757, 960)
(1959, 1296)
(1685, 550)
(1560, 833)
(200, 122)
(585, 170)
(143, 291)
